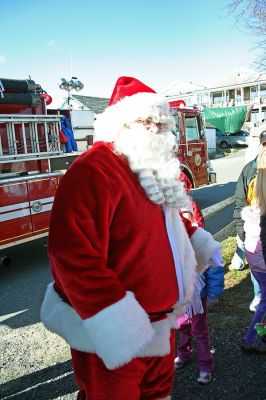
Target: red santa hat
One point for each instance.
(128, 86)
(131, 101)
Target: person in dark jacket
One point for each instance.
(244, 196)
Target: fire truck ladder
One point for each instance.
(29, 136)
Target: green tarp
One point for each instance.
(226, 119)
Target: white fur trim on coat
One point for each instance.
(183, 254)
(160, 344)
(190, 255)
(205, 246)
(116, 334)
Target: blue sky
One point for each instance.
(157, 42)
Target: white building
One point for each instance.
(240, 87)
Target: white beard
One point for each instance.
(152, 157)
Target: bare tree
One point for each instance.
(252, 15)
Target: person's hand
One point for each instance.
(211, 301)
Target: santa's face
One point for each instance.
(149, 144)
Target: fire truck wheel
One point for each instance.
(5, 261)
(189, 177)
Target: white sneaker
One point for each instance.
(254, 304)
(204, 377)
(237, 263)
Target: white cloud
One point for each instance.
(51, 43)
(2, 59)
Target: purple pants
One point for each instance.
(196, 327)
(260, 315)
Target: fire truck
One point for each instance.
(32, 162)
(33, 158)
(192, 144)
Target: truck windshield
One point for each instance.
(192, 129)
(175, 130)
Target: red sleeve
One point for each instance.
(197, 214)
(188, 225)
(187, 184)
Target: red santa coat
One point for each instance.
(111, 261)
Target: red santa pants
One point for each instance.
(148, 378)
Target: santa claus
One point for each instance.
(122, 261)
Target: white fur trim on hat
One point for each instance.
(117, 334)
(131, 109)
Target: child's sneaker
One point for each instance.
(179, 363)
(258, 347)
(254, 304)
(204, 377)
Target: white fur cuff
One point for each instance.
(116, 334)
(205, 246)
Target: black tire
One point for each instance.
(5, 261)
(189, 177)
(224, 145)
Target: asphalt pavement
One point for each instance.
(228, 170)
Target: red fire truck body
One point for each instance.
(192, 144)
(31, 163)
(32, 160)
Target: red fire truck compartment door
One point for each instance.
(41, 197)
(15, 216)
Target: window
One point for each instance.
(253, 92)
(192, 129)
(254, 116)
(188, 101)
(219, 133)
(217, 97)
(263, 91)
(231, 94)
(246, 93)
(175, 130)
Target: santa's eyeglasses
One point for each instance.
(152, 126)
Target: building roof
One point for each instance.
(96, 104)
(240, 76)
(181, 87)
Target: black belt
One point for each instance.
(170, 310)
